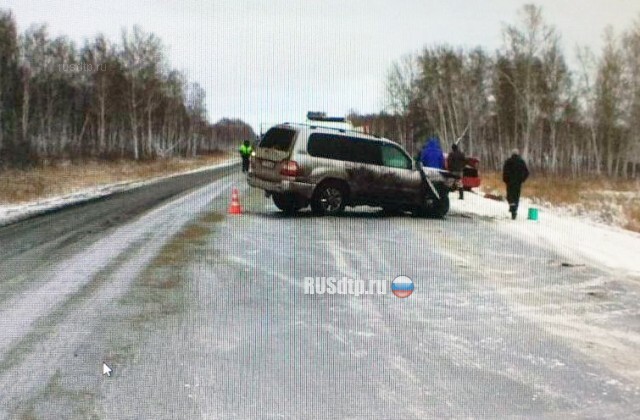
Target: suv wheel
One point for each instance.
(434, 207)
(440, 207)
(288, 203)
(329, 199)
(390, 210)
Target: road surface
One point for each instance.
(198, 314)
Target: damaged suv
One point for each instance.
(329, 168)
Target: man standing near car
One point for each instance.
(245, 154)
(514, 174)
(456, 161)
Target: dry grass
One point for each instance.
(633, 217)
(159, 292)
(179, 249)
(590, 193)
(176, 252)
(63, 178)
(211, 217)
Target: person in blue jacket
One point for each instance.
(432, 155)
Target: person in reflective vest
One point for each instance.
(245, 154)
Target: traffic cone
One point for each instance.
(235, 207)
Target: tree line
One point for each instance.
(570, 121)
(103, 100)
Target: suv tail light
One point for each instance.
(289, 168)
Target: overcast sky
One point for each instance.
(273, 60)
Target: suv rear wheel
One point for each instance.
(329, 198)
(288, 203)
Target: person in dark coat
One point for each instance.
(432, 156)
(514, 174)
(456, 161)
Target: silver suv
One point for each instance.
(330, 168)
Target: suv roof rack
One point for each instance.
(321, 116)
(341, 130)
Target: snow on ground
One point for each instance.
(11, 213)
(580, 240)
(597, 209)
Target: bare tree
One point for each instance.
(106, 100)
(608, 92)
(9, 89)
(401, 94)
(631, 99)
(141, 56)
(587, 102)
(526, 45)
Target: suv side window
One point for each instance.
(365, 151)
(348, 149)
(393, 157)
(329, 147)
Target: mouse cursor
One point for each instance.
(106, 370)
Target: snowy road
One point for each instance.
(204, 315)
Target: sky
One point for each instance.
(270, 61)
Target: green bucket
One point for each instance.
(533, 213)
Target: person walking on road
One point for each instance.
(456, 161)
(514, 174)
(245, 153)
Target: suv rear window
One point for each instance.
(278, 138)
(351, 149)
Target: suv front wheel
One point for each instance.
(329, 199)
(433, 207)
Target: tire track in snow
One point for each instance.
(19, 314)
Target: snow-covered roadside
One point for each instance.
(580, 240)
(598, 209)
(11, 213)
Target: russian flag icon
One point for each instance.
(402, 286)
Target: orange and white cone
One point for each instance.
(235, 207)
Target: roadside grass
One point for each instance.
(633, 214)
(61, 178)
(611, 200)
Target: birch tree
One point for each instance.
(631, 102)
(10, 144)
(608, 93)
(401, 95)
